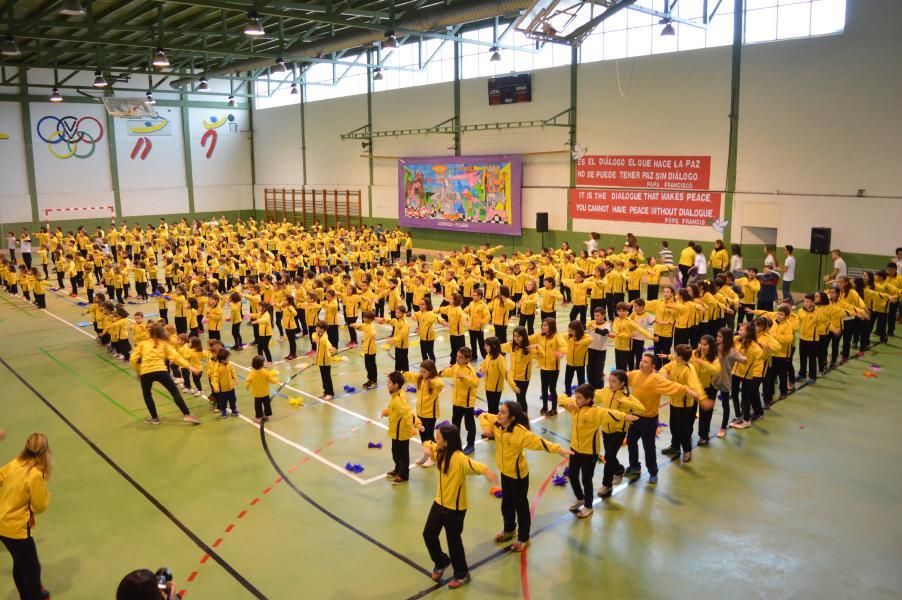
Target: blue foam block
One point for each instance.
(411, 389)
(376, 445)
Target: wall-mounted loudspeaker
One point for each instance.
(820, 240)
(542, 222)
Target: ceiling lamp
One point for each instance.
(280, 66)
(232, 101)
(203, 86)
(377, 75)
(159, 58)
(294, 89)
(668, 27)
(72, 8)
(253, 26)
(150, 99)
(10, 48)
(390, 40)
(496, 56)
(99, 81)
(55, 96)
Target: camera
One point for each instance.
(164, 578)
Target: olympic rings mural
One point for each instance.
(70, 137)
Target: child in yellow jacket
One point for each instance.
(402, 423)
(585, 442)
(258, 382)
(510, 430)
(224, 381)
(323, 357)
(466, 383)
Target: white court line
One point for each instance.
(305, 450)
(413, 465)
(284, 440)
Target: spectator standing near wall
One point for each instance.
(769, 260)
(839, 267)
(788, 268)
(666, 254)
(735, 259)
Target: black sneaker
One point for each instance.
(632, 472)
(670, 451)
(757, 417)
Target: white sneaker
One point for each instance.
(584, 512)
(191, 419)
(429, 463)
(576, 506)
(178, 380)
(605, 491)
(421, 460)
(197, 392)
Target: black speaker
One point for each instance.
(820, 240)
(542, 222)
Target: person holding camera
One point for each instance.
(143, 584)
(24, 494)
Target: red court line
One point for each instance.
(524, 555)
(256, 500)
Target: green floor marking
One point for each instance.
(90, 385)
(17, 307)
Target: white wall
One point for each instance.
(818, 121)
(15, 204)
(154, 185)
(821, 116)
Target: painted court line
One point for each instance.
(413, 465)
(288, 442)
(305, 450)
(209, 552)
(275, 435)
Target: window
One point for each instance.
(629, 32)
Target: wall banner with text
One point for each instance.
(672, 207)
(665, 172)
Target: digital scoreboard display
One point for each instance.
(510, 89)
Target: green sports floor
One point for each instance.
(804, 504)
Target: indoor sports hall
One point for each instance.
(402, 299)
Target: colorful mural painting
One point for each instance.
(475, 193)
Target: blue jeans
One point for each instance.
(786, 294)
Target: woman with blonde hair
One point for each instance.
(24, 494)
